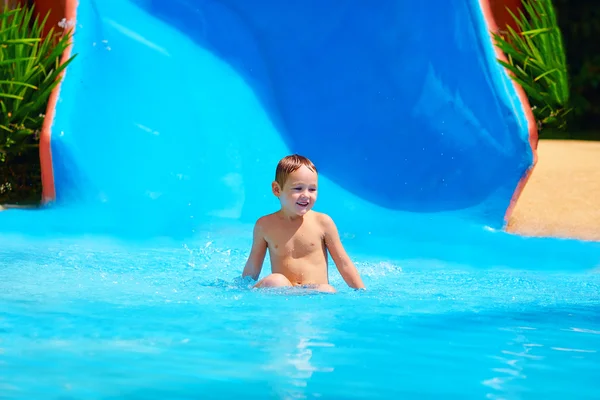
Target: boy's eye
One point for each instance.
(312, 189)
(297, 188)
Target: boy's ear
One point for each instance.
(275, 188)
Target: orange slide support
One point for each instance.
(58, 10)
(498, 17)
(501, 14)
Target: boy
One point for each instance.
(297, 237)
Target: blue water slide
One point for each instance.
(172, 118)
(181, 109)
(177, 112)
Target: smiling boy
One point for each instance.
(298, 238)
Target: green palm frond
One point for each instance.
(536, 60)
(30, 69)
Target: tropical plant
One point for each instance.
(536, 60)
(30, 68)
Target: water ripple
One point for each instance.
(99, 319)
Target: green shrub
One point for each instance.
(30, 68)
(536, 58)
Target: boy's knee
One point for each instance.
(274, 280)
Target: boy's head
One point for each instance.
(296, 184)
(289, 164)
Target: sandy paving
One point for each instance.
(562, 197)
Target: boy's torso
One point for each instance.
(297, 248)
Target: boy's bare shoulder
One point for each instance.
(323, 219)
(266, 221)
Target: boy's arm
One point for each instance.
(257, 253)
(339, 255)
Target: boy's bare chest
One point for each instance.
(295, 243)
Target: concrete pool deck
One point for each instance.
(562, 197)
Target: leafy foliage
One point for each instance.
(537, 61)
(30, 68)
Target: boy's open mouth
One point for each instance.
(302, 203)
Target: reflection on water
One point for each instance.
(291, 358)
(530, 357)
(97, 319)
(513, 360)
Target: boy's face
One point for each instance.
(299, 193)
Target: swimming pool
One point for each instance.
(401, 108)
(96, 317)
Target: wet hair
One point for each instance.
(289, 164)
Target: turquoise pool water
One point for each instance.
(91, 317)
(428, 124)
